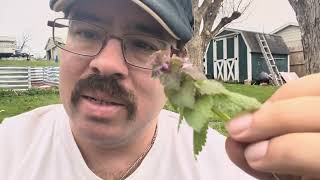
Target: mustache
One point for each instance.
(110, 86)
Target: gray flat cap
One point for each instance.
(175, 16)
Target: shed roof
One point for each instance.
(7, 39)
(50, 44)
(284, 27)
(275, 42)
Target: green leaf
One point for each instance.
(200, 114)
(185, 97)
(199, 140)
(210, 87)
(175, 66)
(180, 117)
(171, 81)
(219, 127)
(246, 103)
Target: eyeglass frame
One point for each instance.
(105, 40)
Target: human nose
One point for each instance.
(110, 60)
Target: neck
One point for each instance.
(113, 162)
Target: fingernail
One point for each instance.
(239, 125)
(256, 151)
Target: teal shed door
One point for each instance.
(226, 59)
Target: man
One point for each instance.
(111, 125)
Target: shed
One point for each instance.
(291, 34)
(7, 46)
(52, 51)
(235, 56)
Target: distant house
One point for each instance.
(235, 56)
(7, 46)
(291, 35)
(52, 51)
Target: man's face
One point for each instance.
(107, 100)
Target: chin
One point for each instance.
(102, 134)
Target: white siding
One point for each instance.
(292, 37)
(7, 47)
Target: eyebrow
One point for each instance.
(139, 27)
(89, 17)
(148, 30)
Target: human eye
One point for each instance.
(84, 33)
(87, 34)
(144, 45)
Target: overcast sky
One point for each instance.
(18, 17)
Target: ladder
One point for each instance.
(273, 69)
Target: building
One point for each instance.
(291, 34)
(235, 56)
(7, 46)
(52, 51)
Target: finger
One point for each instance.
(306, 86)
(295, 154)
(235, 152)
(310, 178)
(278, 118)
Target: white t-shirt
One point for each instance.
(38, 145)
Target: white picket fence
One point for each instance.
(22, 78)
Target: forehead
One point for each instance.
(121, 15)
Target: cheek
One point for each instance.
(71, 69)
(149, 92)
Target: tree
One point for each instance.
(22, 46)
(207, 13)
(308, 16)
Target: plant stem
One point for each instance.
(275, 176)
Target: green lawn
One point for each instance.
(261, 93)
(12, 103)
(25, 63)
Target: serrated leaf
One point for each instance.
(210, 87)
(199, 140)
(227, 106)
(245, 102)
(219, 127)
(185, 97)
(201, 102)
(180, 117)
(200, 114)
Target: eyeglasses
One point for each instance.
(88, 39)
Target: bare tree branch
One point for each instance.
(208, 12)
(197, 20)
(195, 5)
(25, 39)
(210, 16)
(203, 8)
(224, 21)
(239, 4)
(245, 7)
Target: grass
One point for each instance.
(25, 63)
(13, 103)
(261, 93)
